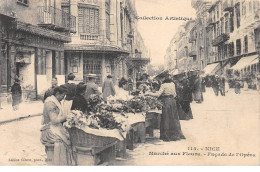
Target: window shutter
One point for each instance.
(96, 21)
(80, 18)
(92, 20)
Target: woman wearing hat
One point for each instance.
(108, 88)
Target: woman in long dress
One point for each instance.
(53, 133)
(170, 128)
(16, 94)
(187, 99)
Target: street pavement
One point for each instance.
(26, 109)
(230, 123)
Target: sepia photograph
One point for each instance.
(129, 83)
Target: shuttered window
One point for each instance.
(88, 19)
(66, 16)
(108, 19)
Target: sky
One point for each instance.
(157, 34)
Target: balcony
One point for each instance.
(56, 19)
(192, 53)
(220, 39)
(228, 5)
(192, 38)
(85, 36)
(210, 22)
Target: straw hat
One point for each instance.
(91, 75)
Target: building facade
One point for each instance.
(32, 36)
(225, 37)
(178, 54)
(106, 38)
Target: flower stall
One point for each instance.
(108, 129)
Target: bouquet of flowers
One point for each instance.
(153, 103)
(93, 101)
(75, 119)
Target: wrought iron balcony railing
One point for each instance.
(192, 53)
(220, 39)
(228, 5)
(56, 19)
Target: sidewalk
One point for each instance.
(26, 109)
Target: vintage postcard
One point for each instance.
(130, 82)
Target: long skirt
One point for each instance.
(197, 95)
(17, 98)
(170, 128)
(181, 113)
(58, 137)
(187, 111)
(237, 88)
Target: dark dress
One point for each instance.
(16, 94)
(170, 128)
(79, 103)
(179, 100)
(187, 99)
(215, 85)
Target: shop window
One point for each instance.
(246, 44)
(238, 43)
(23, 2)
(88, 19)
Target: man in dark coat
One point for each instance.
(222, 86)
(215, 84)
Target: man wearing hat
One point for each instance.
(215, 84)
(92, 87)
(108, 88)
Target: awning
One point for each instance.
(244, 62)
(255, 61)
(211, 68)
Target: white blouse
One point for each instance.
(166, 90)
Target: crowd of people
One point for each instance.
(175, 92)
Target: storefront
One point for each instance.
(102, 61)
(244, 65)
(34, 55)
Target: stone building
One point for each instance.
(32, 37)
(178, 54)
(232, 37)
(201, 7)
(106, 38)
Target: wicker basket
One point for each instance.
(82, 139)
